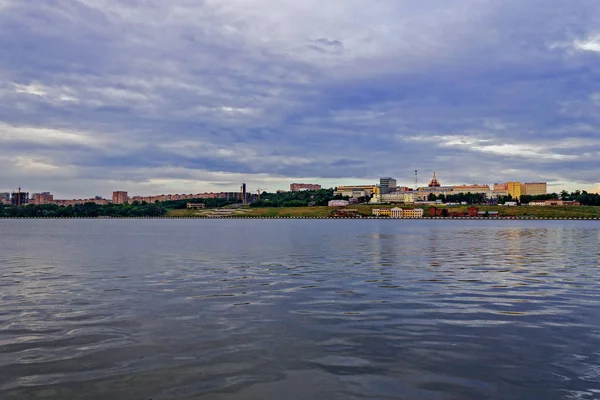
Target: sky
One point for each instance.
(190, 96)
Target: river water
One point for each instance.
(299, 309)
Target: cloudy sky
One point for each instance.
(187, 96)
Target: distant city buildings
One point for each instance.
(386, 192)
(297, 187)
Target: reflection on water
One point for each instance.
(300, 309)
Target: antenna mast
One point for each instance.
(416, 179)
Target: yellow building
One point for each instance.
(515, 189)
(382, 212)
(535, 188)
(412, 213)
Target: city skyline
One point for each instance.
(179, 96)
(423, 183)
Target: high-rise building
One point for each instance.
(244, 195)
(387, 185)
(19, 198)
(535, 188)
(296, 187)
(515, 189)
(120, 197)
(43, 198)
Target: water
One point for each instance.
(299, 309)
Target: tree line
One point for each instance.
(297, 199)
(87, 210)
(583, 197)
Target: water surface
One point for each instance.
(299, 309)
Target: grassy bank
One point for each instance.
(366, 210)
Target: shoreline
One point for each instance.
(509, 218)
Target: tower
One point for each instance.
(434, 182)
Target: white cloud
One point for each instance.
(533, 152)
(45, 136)
(50, 94)
(590, 44)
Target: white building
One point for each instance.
(537, 203)
(398, 197)
(338, 203)
(396, 213)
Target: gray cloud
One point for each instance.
(193, 96)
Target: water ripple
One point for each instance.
(299, 309)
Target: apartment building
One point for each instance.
(43, 198)
(535, 188)
(120, 197)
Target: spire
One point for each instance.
(434, 182)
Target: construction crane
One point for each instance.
(259, 191)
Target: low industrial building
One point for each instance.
(297, 187)
(357, 191)
(338, 203)
(474, 189)
(561, 203)
(195, 206)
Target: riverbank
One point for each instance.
(328, 218)
(361, 211)
(366, 211)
